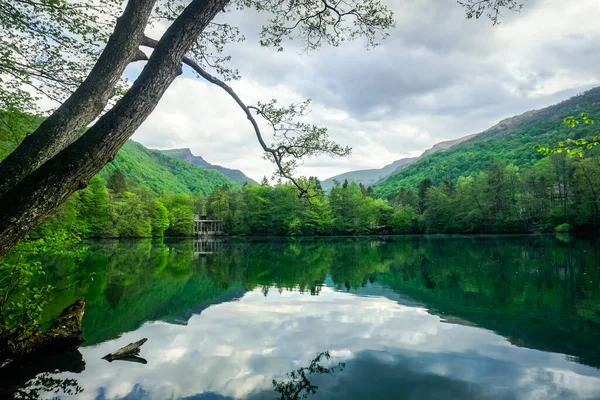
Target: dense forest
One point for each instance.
(559, 192)
(144, 193)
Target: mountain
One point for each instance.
(154, 170)
(186, 155)
(367, 177)
(162, 173)
(511, 140)
(445, 145)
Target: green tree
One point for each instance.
(345, 203)
(423, 187)
(94, 209)
(404, 220)
(116, 182)
(470, 204)
(181, 214)
(438, 211)
(130, 218)
(159, 217)
(501, 191)
(257, 207)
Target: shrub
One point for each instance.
(564, 228)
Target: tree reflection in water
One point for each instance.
(30, 379)
(47, 383)
(298, 385)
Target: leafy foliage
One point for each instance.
(322, 22)
(294, 140)
(48, 47)
(563, 228)
(574, 148)
(14, 125)
(21, 301)
(490, 8)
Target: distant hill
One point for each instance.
(162, 173)
(511, 140)
(186, 155)
(369, 177)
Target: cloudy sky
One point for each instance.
(438, 76)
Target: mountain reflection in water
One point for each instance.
(411, 317)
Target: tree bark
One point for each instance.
(63, 335)
(86, 103)
(29, 202)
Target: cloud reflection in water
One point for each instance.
(236, 349)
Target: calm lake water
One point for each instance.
(341, 318)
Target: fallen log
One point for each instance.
(132, 349)
(64, 335)
(133, 359)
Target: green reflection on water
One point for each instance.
(538, 291)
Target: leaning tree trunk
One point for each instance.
(30, 201)
(86, 103)
(63, 335)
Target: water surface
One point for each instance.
(418, 317)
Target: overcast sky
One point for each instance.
(438, 76)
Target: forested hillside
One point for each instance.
(146, 193)
(512, 141)
(162, 173)
(140, 193)
(150, 169)
(186, 155)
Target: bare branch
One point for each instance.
(310, 140)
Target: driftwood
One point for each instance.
(132, 349)
(64, 335)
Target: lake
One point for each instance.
(416, 317)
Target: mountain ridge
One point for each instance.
(369, 177)
(186, 154)
(162, 173)
(512, 140)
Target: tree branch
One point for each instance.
(276, 153)
(85, 104)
